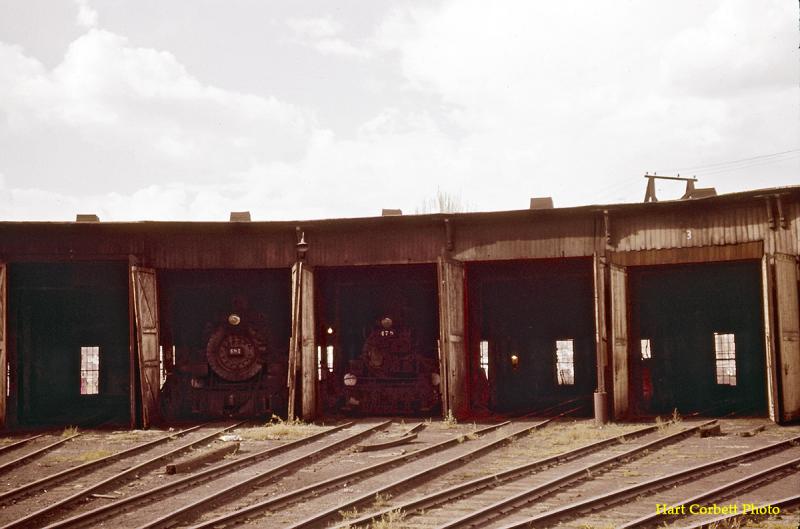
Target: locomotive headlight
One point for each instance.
(234, 319)
(435, 379)
(350, 379)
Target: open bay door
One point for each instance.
(452, 344)
(145, 308)
(787, 336)
(619, 339)
(3, 342)
(303, 344)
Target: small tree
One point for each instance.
(443, 202)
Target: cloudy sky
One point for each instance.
(190, 109)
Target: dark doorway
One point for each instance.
(697, 343)
(68, 324)
(352, 303)
(224, 341)
(532, 333)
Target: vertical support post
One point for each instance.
(788, 336)
(295, 340)
(767, 280)
(600, 338)
(132, 363)
(619, 337)
(3, 341)
(308, 345)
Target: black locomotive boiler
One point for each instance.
(390, 377)
(234, 373)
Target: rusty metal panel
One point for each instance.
(452, 331)
(619, 340)
(788, 335)
(536, 238)
(733, 252)
(686, 227)
(145, 299)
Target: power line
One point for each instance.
(761, 156)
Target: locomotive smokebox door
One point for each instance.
(236, 351)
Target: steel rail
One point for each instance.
(36, 516)
(347, 477)
(618, 495)
(416, 477)
(46, 481)
(783, 503)
(201, 505)
(36, 453)
(16, 444)
(89, 518)
(717, 491)
(469, 487)
(554, 484)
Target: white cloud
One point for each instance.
(324, 35)
(138, 113)
(87, 16)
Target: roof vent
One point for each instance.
(704, 192)
(542, 203)
(391, 212)
(240, 216)
(86, 217)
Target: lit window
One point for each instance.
(725, 355)
(162, 363)
(326, 363)
(484, 349)
(90, 370)
(565, 363)
(645, 346)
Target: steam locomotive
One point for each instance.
(234, 375)
(390, 377)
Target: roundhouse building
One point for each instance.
(631, 309)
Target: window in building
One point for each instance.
(645, 346)
(325, 363)
(725, 355)
(164, 362)
(565, 362)
(90, 370)
(484, 350)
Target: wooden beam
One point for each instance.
(787, 336)
(308, 345)
(619, 338)
(3, 341)
(767, 299)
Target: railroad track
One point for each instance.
(97, 514)
(108, 472)
(780, 457)
(454, 500)
(226, 478)
(33, 455)
(324, 480)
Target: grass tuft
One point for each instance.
(279, 429)
(69, 431)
